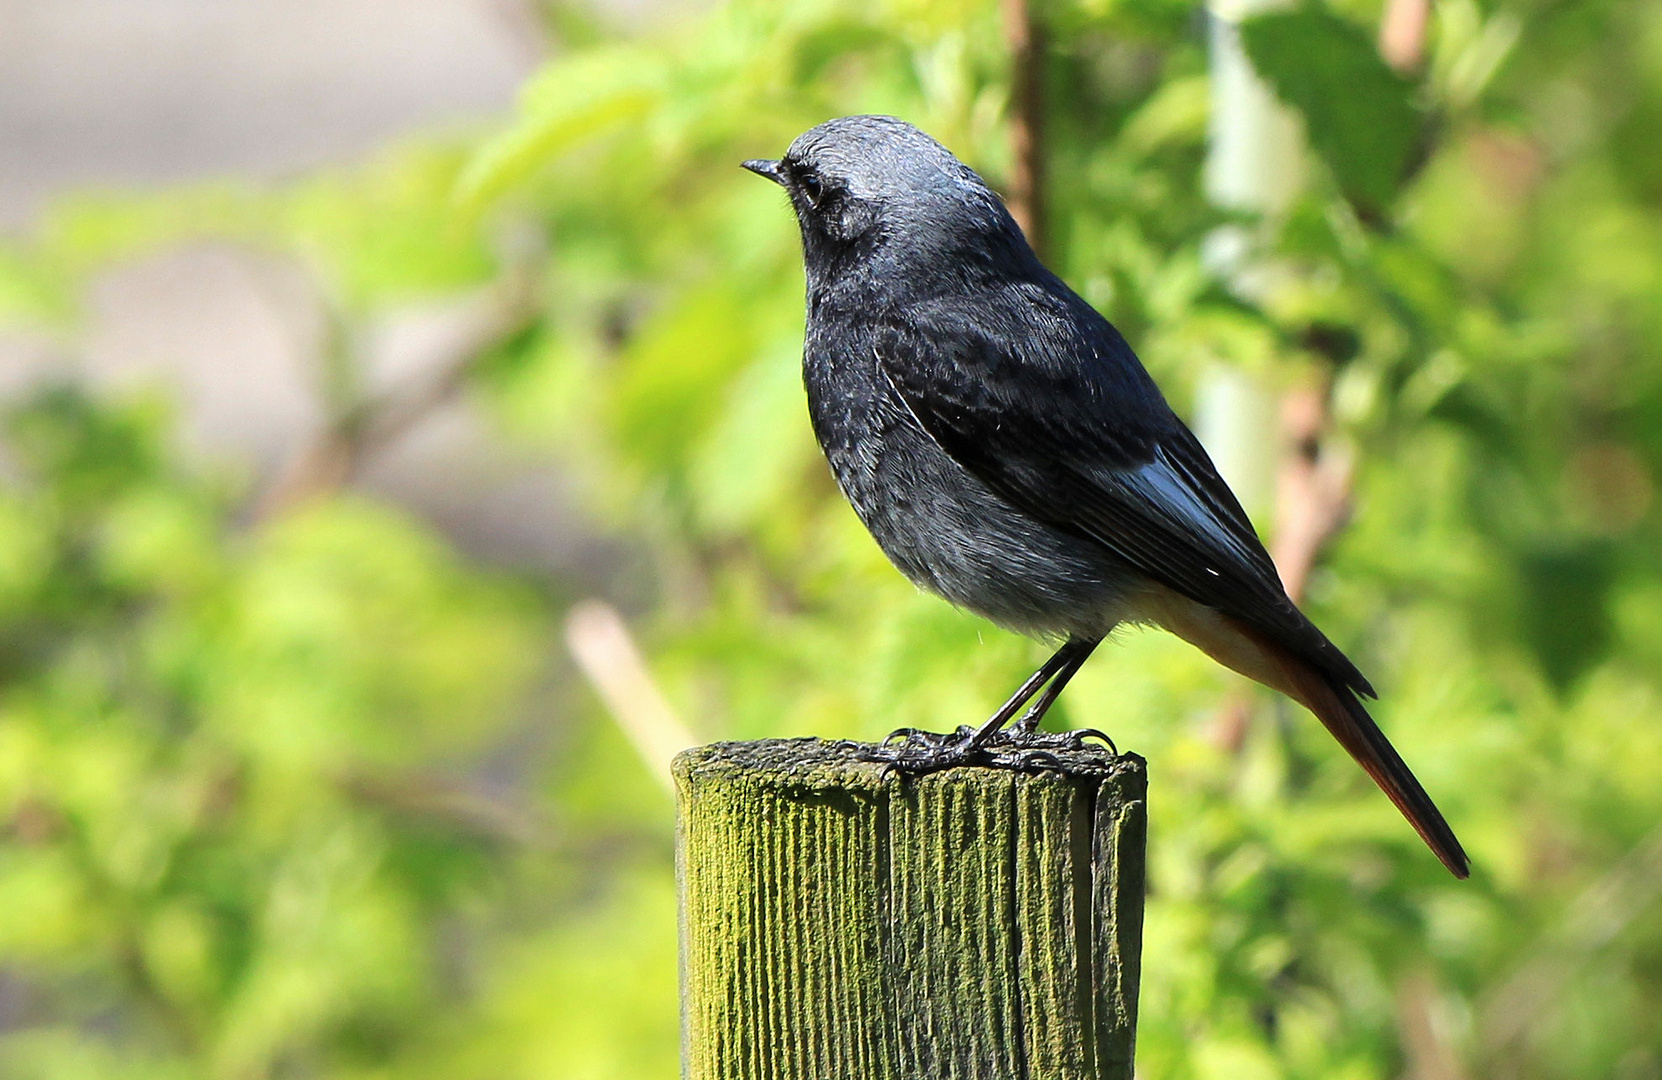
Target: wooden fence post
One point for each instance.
(842, 921)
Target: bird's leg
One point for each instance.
(1082, 649)
(1022, 747)
(1056, 671)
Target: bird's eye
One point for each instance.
(812, 187)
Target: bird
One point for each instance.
(1008, 451)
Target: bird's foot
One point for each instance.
(914, 751)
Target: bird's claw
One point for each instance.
(918, 751)
(1092, 733)
(908, 734)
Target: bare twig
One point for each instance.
(606, 652)
(1312, 488)
(1312, 497)
(437, 799)
(1402, 33)
(363, 428)
(1026, 36)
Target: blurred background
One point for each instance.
(402, 453)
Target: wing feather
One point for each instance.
(1030, 391)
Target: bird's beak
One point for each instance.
(773, 170)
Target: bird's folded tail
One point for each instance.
(1340, 711)
(1236, 645)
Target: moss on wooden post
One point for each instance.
(841, 921)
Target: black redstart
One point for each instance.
(1009, 452)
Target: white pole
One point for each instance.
(1255, 163)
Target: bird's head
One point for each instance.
(874, 189)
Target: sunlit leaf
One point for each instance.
(1358, 113)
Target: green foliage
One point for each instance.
(234, 765)
(1357, 111)
(385, 232)
(240, 763)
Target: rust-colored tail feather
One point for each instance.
(1236, 645)
(1340, 711)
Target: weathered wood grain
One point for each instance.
(841, 921)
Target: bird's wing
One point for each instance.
(1042, 400)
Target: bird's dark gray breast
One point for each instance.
(943, 528)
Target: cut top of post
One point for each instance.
(844, 919)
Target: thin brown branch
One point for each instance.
(360, 430)
(1234, 717)
(1312, 489)
(1026, 37)
(447, 802)
(324, 464)
(1402, 32)
(606, 653)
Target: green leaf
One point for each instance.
(1358, 113)
(578, 99)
